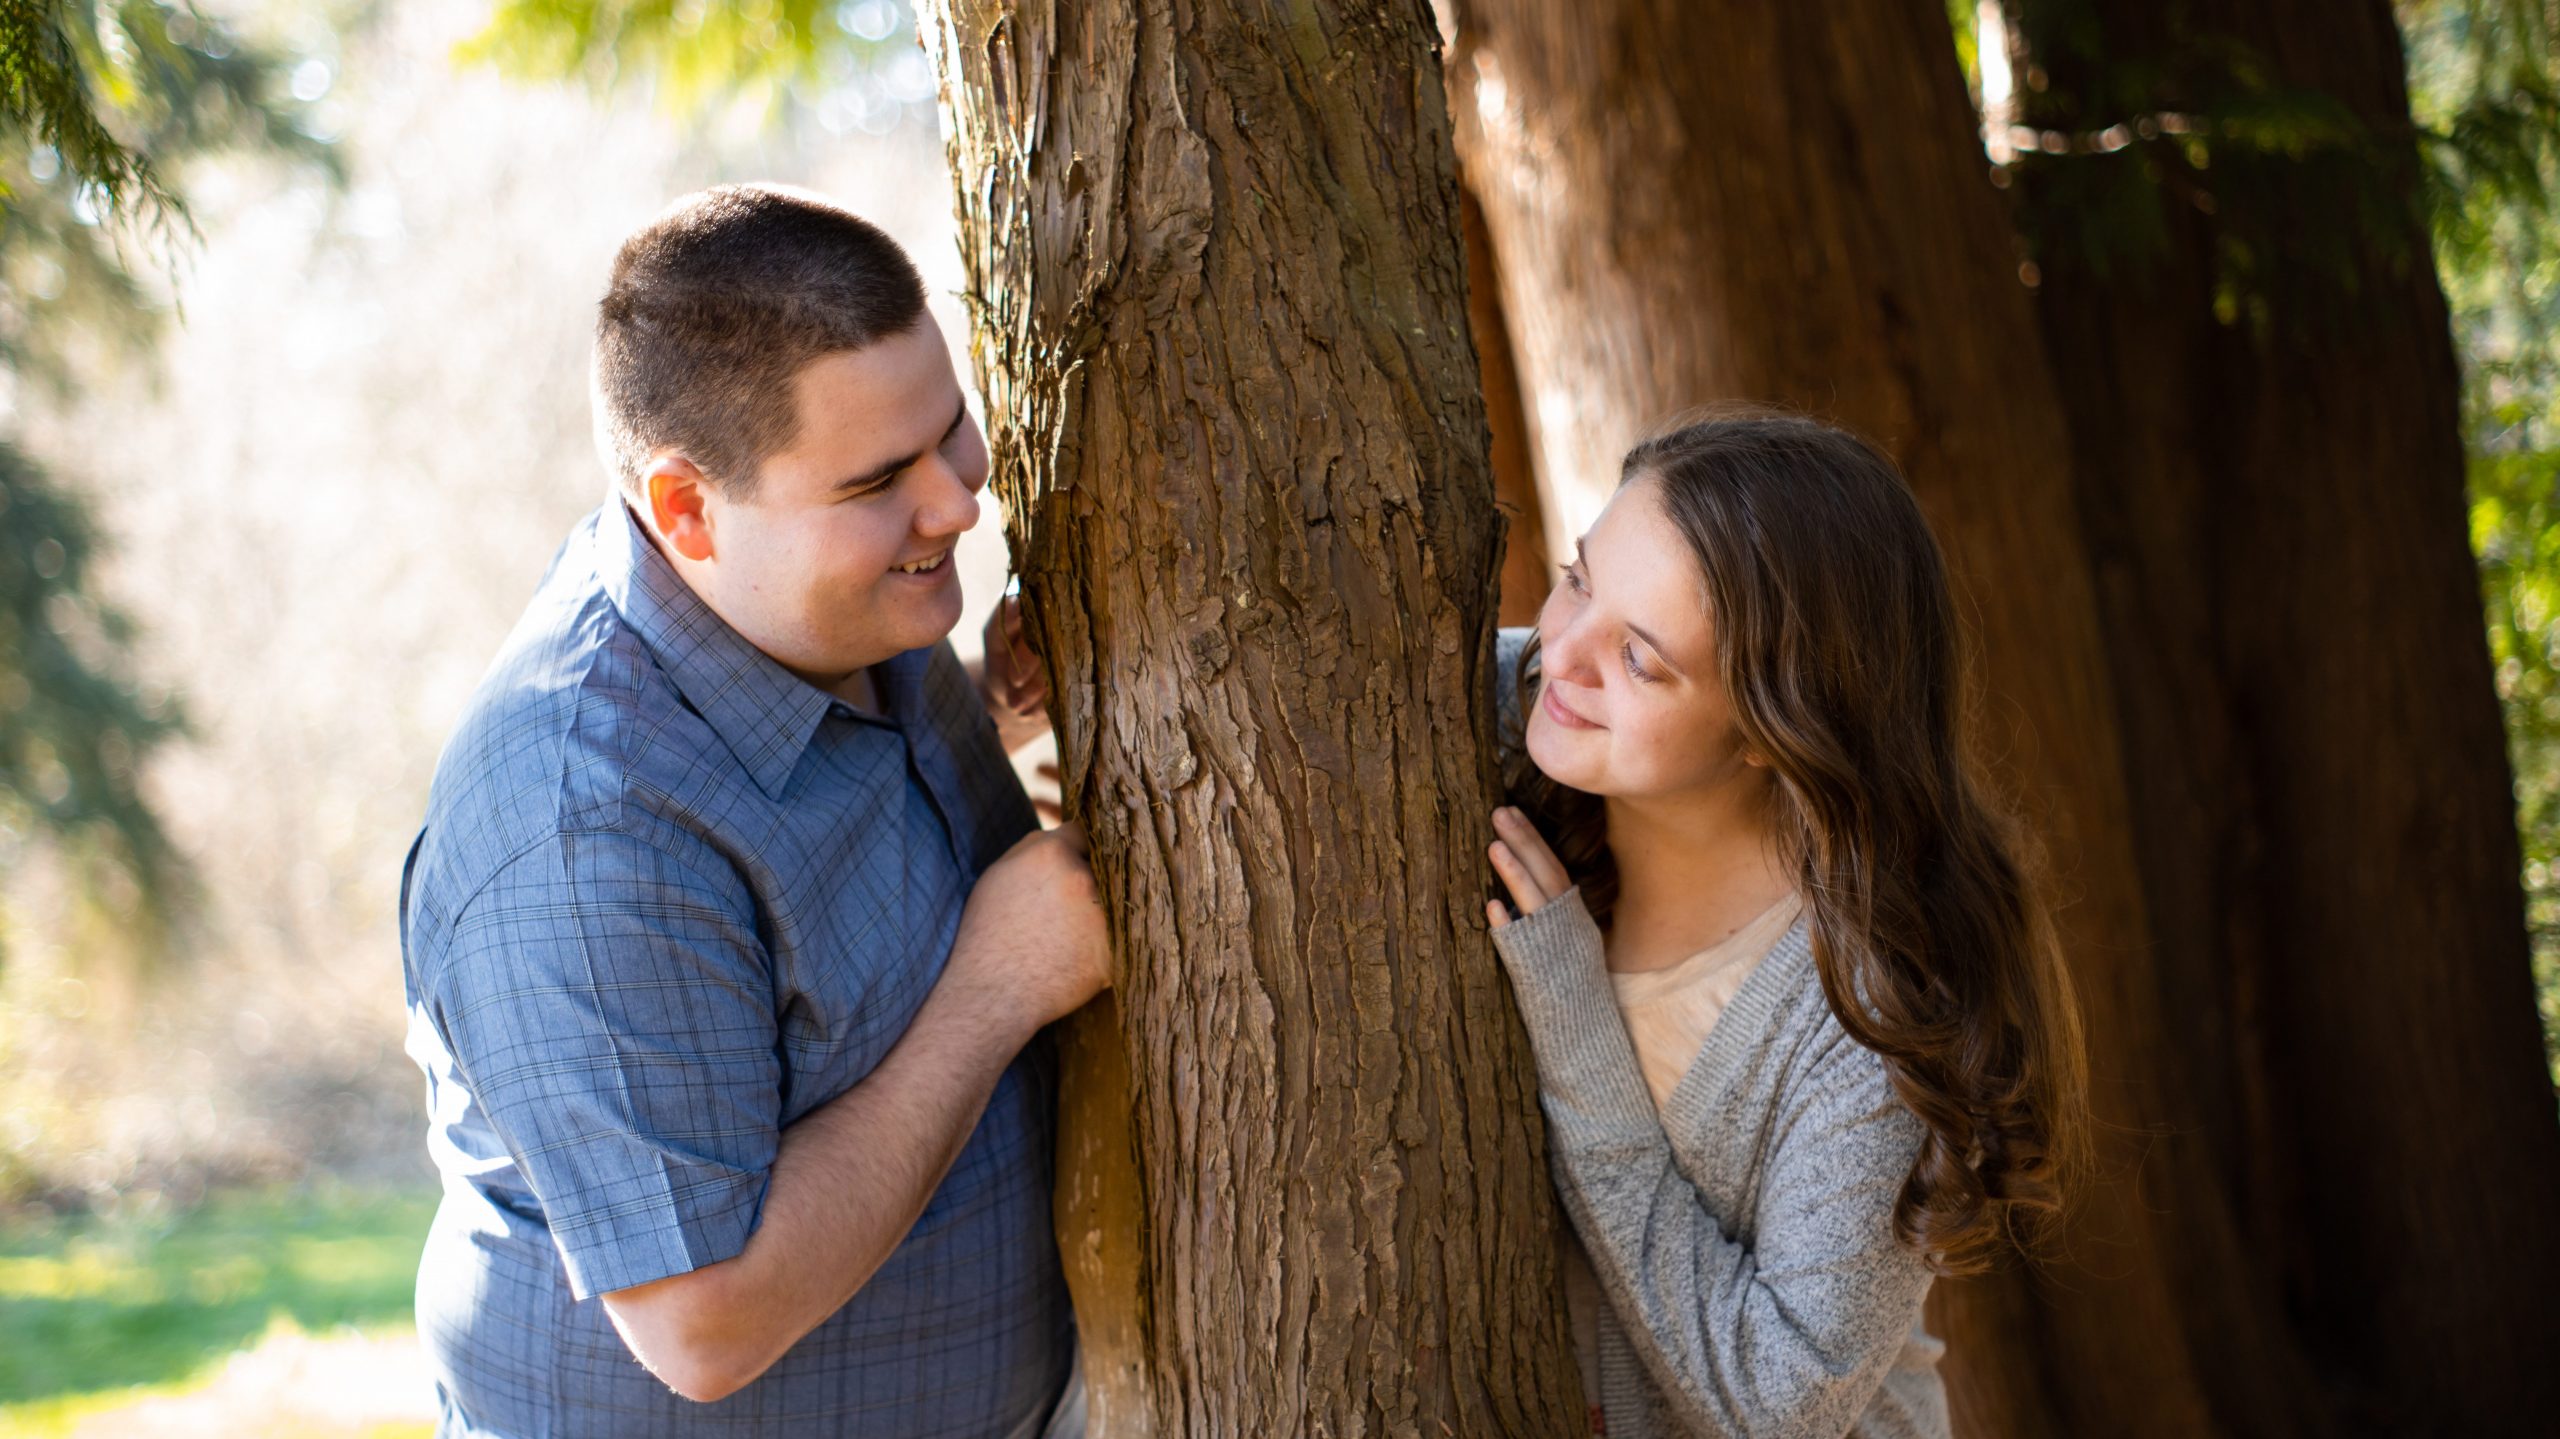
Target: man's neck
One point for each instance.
(857, 690)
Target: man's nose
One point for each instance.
(951, 507)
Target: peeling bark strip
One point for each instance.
(1221, 323)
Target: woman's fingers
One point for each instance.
(1030, 686)
(1526, 895)
(1015, 677)
(1495, 914)
(1029, 677)
(1531, 847)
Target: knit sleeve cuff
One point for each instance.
(1560, 975)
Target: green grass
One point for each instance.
(91, 1305)
(59, 1417)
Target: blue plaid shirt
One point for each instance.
(668, 899)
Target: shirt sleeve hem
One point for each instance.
(626, 1257)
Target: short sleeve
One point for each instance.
(611, 1010)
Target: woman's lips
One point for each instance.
(1556, 711)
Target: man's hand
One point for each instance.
(1012, 679)
(1032, 937)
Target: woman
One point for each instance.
(1803, 1039)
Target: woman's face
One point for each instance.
(1630, 703)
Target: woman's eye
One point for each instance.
(1573, 578)
(1627, 651)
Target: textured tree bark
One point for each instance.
(1696, 200)
(2275, 510)
(1220, 320)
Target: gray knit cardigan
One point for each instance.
(1743, 1235)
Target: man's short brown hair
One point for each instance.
(713, 309)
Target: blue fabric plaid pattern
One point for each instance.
(668, 899)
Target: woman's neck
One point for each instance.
(1692, 870)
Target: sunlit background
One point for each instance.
(325, 454)
(324, 489)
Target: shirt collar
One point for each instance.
(765, 714)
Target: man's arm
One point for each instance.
(847, 1185)
(850, 1178)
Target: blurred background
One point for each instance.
(292, 414)
(305, 464)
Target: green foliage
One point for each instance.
(2485, 90)
(72, 723)
(100, 106)
(90, 1304)
(769, 53)
(1960, 18)
(2132, 154)
(2482, 86)
(2515, 528)
(54, 61)
(149, 88)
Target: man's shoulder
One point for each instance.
(549, 740)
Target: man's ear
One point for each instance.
(678, 496)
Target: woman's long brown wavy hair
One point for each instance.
(1837, 640)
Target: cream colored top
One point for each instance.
(1669, 1012)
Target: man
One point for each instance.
(729, 924)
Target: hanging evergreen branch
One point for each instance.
(54, 60)
(99, 107)
(73, 723)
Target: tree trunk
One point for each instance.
(1220, 301)
(1695, 200)
(2274, 504)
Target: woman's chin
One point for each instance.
(1558, 757)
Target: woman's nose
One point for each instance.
(1567, 654)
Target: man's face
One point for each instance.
(818, 565)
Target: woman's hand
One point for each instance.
(1012, 680)
(1528, 868)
